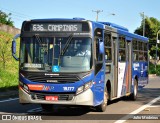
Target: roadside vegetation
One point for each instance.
(152, 69)
(8, 66)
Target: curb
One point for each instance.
(153, 75)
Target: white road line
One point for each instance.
(154, 106)
(11, 99)
(123, 119)
(35, 110)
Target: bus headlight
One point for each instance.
(84, 87)
(87, 85)
(24, 87)
(80, 90)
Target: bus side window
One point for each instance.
(98, 35)
(108, 47)
(145, 52)
(122, 49)
(99, 56)
(135, 50)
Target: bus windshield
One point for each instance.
(56, 54)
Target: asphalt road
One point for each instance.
(145, 108)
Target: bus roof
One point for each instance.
(59, 19)
(124, 31)
(114, 25)
(132, 35)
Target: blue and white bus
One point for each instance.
(79, 62)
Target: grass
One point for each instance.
(8, 80)
(9, 76)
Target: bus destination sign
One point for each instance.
(56, 27)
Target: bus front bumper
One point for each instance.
(85, 98)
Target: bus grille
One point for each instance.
(51, 79)
(61, 97)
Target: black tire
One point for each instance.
(47, 107)
(102, 107)
(133, 96)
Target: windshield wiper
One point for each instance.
(66, 45)
(62, 52)
(40, 41)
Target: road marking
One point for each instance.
(11, 99)
(123, 119)
(154, 106)
(35, 110)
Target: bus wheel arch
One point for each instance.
(108, 86)
(102, 107)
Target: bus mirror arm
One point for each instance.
(15, 57)
(14, 47)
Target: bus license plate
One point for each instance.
(51, 98)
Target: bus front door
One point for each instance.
(124, 65)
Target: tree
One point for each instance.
(6, 19)
(152, 25)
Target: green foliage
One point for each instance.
(6, 19)
(9, 73)
(152, 25)
(158, 70)
(5, 48)
(8, 79)
(152, 69)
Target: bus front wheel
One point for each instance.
(102, 107)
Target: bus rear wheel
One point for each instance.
(133, 96)
(102, 107)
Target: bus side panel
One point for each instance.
(140, 70)
(109, 80)
(122, 67)
(123, 78)
(99, 87)
(143, 74)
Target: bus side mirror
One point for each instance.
(14, 47)
(101, 46)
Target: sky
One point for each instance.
(127, 12)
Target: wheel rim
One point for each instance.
(135, 90)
